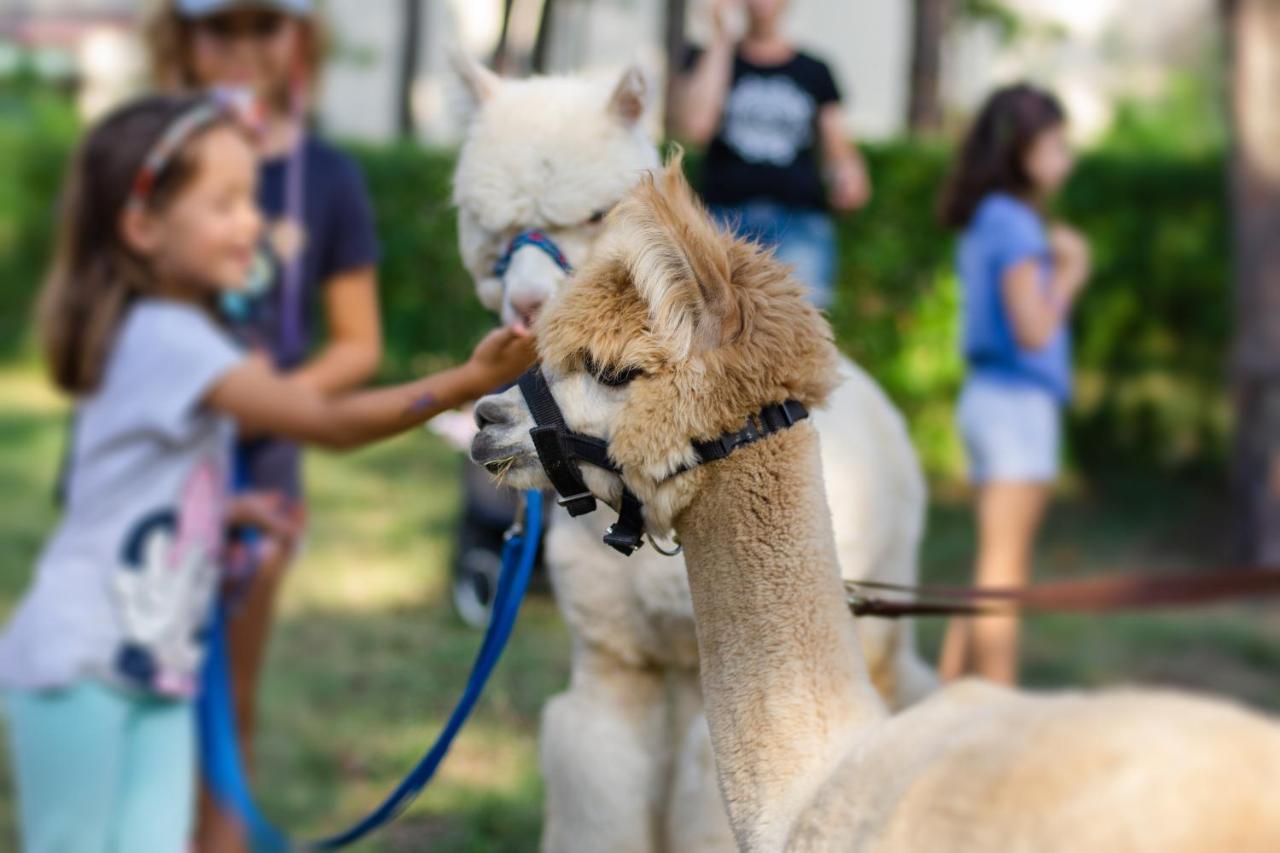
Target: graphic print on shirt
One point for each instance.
(282, 243)
(165, 587)
(768, 119)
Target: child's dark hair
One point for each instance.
(991, 159)
(94, 275)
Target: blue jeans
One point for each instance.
(100, 771)
(804, 239)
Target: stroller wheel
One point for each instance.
(475, 582)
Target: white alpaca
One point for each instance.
(625, 751)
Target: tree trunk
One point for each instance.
(411, 38)
(542, 42)
(675, 49)
(924, 109)
(500, 52)
(1253, 45)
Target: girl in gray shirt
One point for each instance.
(100, 661)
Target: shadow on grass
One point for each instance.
(350, 702)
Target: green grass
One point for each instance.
(367, 657)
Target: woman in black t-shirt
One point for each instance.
(766, 109)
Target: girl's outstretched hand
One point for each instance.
(260, 399)
(501, 357)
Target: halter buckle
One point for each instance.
(579, 504)
(625, 542)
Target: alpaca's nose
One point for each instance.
(489, 412)
(527, 306)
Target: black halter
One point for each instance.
(560, 449)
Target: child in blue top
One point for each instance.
(1020, 277)
(100, 660)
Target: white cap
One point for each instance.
(201, 8)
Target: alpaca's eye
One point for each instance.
(616, 377)
(610, 375)
(597, 217)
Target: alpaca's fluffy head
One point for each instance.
(554, 153)
(711, 327)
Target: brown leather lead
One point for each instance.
(1083, 595)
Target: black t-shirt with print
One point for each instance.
(766, 147)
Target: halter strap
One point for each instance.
(560, 449)
(538, 239)
(558, 446)
(772, 418)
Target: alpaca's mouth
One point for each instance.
(502, 466)
(497, 458)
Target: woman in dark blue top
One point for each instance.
(1020, 277)
(322, 271)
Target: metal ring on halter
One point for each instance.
(654, 542)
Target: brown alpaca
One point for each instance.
(808, 758)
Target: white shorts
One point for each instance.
(1012, 433)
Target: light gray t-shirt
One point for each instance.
(124, 587)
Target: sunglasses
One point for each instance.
(259, 26)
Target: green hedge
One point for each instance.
(36, 135)
(1151, 330)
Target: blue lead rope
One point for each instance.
(220, 748)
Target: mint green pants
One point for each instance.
(99, 771)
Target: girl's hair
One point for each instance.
(167, 35)
(94, 275)
(991, 159)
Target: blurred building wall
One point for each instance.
(1090, 51)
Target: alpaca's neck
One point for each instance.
(785, 683)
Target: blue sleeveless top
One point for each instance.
(1006, 231)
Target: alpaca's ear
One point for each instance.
(479, 82)
(630, 97)
(678, 261)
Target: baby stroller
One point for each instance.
(488, 511)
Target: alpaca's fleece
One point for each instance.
(706, 302)
(807, 755)
(553, 153)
